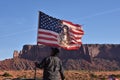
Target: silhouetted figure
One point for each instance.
(52, 66)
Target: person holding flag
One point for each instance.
(56, 33)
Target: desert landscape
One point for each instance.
(90, 62)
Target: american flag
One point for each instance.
(52, 32)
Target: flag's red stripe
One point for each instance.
(78, 30)
(76, 43)
(45, 38)
(78, 33)
(77, 25)
(81, 30)
(47, 33)
(75, 38)
(71, 48)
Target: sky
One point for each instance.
(100, 20)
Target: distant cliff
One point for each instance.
(88, 57)
(86, 51)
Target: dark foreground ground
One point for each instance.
(70, 75)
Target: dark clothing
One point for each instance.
(52, 67)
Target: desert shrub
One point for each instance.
(103, 78)
(22, 77)
(116, 75)
(7, 75)
(93, 75)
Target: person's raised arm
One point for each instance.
(40, 64)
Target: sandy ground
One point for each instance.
(70, 75)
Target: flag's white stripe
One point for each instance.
(47, 31)
(76, 40)
(46, 36)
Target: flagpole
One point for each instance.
(35, 68)
(38, 25)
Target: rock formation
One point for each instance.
(15, 54)
(88, 57)
(16, 64)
